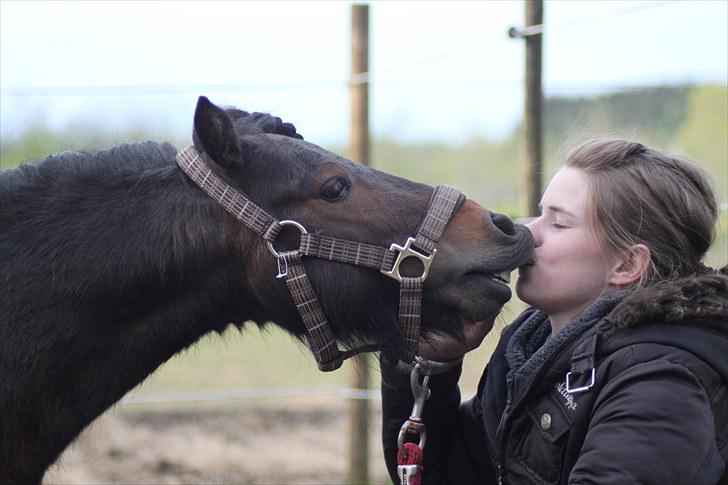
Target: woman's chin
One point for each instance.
(523, 287)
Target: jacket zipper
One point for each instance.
(499, 430)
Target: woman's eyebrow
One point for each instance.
(561, 210)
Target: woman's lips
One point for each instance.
(526, 266)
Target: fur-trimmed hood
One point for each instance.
(697, 308)
(704, 295)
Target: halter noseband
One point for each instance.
(321, 339)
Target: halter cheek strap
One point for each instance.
(319, 335)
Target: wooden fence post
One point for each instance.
(359, 152)
(533, 110)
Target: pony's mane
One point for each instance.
(101, 163)
(251, 123)
(146, 154)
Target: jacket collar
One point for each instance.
(531, 348)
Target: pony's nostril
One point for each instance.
(503, 223)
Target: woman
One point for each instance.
(618, 373)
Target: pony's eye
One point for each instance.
(335, 189)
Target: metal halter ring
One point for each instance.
(285, 223)
(404, 252)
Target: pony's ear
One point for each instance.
(215, 134)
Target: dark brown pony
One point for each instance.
(113, 261)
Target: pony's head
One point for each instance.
(292, 179)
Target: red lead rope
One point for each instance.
(413, 461)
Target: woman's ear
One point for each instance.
(215, 133)
(632, 264)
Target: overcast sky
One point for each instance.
(443, 71)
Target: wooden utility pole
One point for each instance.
(359, 152)
(532, 34)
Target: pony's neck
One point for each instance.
(180, 276)
(160, 269)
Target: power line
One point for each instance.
(535, 29)
(515, 32)
(600, 17)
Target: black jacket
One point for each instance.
(652, 366)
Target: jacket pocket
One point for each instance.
(539, 441)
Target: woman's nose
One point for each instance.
(533, 226)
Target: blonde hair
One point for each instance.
(640, 195)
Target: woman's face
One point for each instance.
(569, 270)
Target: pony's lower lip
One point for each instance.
(502, 277)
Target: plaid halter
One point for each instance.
(319, 335)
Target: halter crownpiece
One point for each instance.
(320, 338)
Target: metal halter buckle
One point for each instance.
(404, 252)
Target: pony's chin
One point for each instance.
(476, 330)
(486, 322)
(444, 347)
(483, 309)
(471, 327)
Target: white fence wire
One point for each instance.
(239, 394)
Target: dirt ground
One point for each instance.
(287, 443)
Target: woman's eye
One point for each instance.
(556, 225)
(335, 190)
